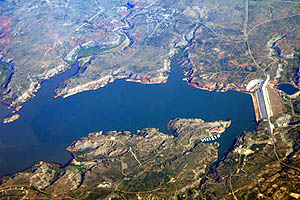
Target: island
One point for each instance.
(11, 119)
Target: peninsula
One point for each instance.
(147, 164)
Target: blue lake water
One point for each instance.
(288, 88)
(47, 125)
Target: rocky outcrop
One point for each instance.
(197, 130)
(42, 176)
(11, 119)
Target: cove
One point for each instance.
(47, 125)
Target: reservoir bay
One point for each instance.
(47, 125)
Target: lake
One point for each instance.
(288, 88)
(47, 125)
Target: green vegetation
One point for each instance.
(98, 50)
(296, 105)
(289, 70)
(149, 181)
(234, 42)
(92, 51)
(5, 73)
(149, 161)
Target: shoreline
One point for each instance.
(145, 82)
(97, 84)
(60, 165)
(35, 86)
(101, 83)
(225, 123)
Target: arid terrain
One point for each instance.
(147, 164)
(250, 46)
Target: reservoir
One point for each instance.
(288, 88)
(47, 125)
